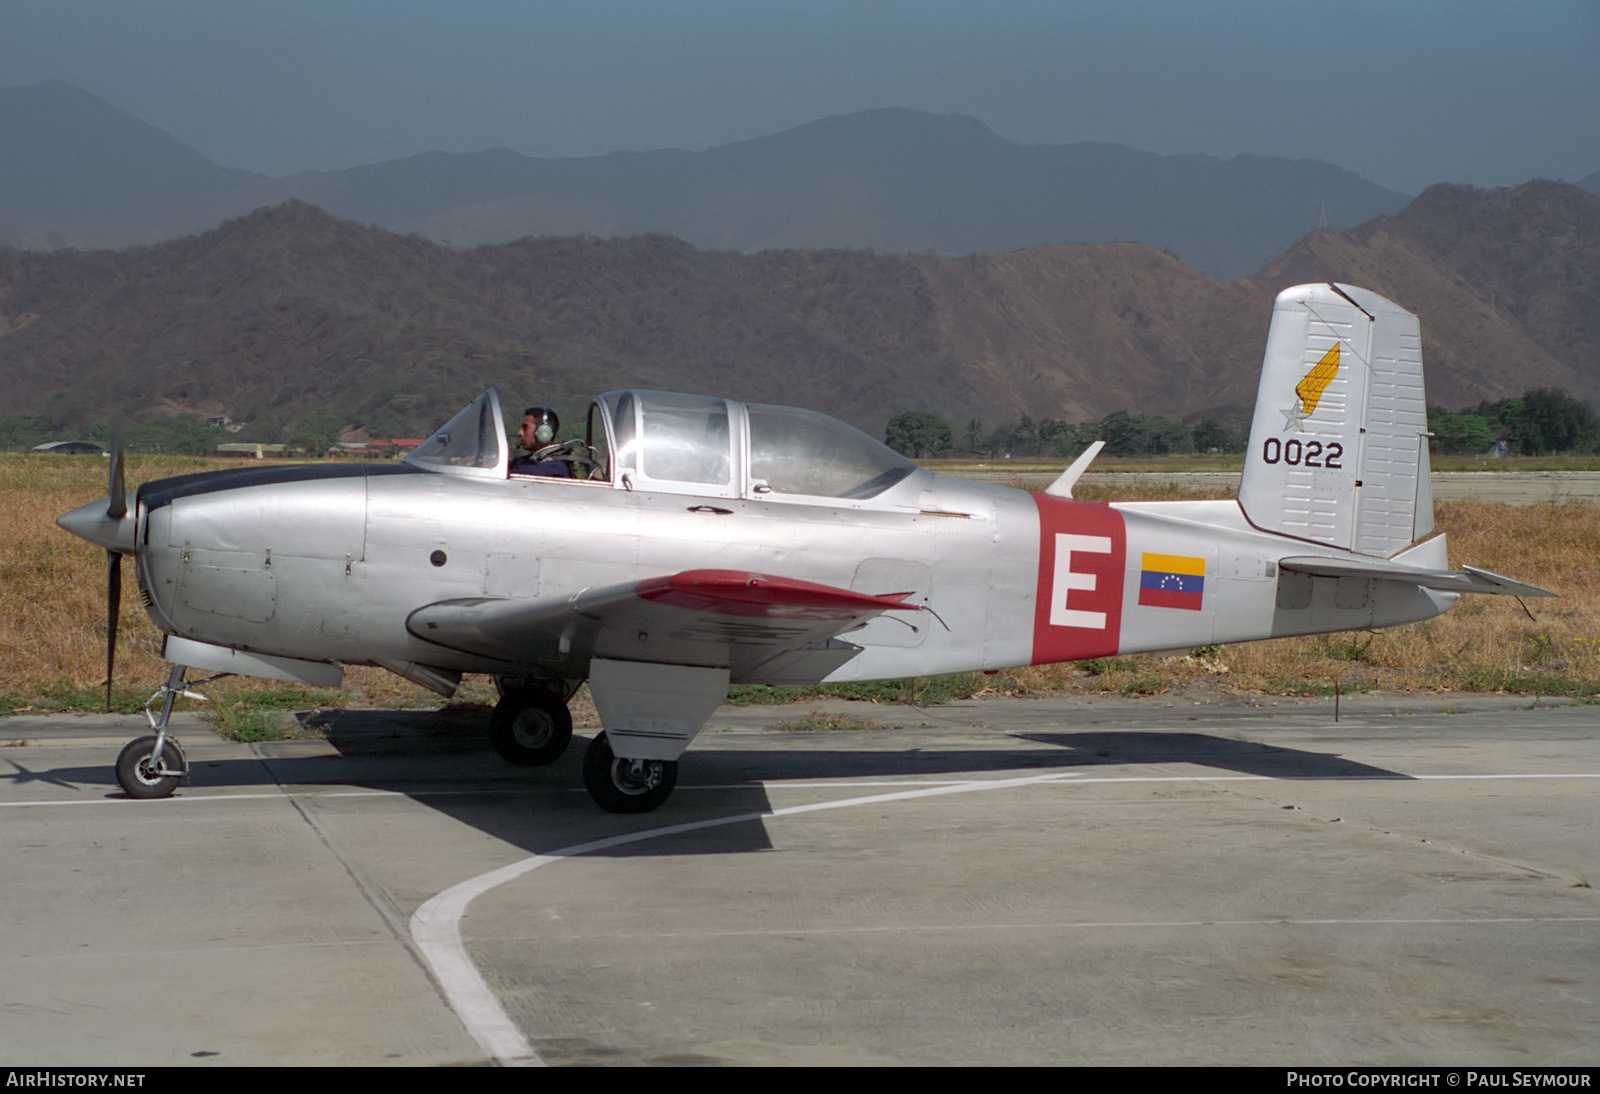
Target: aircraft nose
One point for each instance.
(94, 523)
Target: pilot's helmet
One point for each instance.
(545, 423)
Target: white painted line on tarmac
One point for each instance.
(187, 952)
(436, 926)
(1080, 779)
(280, 795)
(192, 798)
(1130, 924)
(822, 784)
(851, 784)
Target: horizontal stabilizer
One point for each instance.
(1469, 579)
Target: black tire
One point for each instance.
(134, 772)
(626, 786)
(530, 727)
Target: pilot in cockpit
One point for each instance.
(537, 438)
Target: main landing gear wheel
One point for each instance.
(626, 786)
(141, 777)
(530, 727)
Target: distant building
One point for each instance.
(70, 448)
(379, 448)
(376, 449)
(252, 451)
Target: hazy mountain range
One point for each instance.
(76, 171)
(288, 309)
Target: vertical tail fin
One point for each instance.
(1339, 443)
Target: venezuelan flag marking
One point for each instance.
(1172, 581)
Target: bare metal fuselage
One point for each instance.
(327, 564)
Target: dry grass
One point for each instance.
(52, 618)
(828, 723)
(53, 611)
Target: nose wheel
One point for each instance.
(144, 771)
(152, 767)
(620, 785)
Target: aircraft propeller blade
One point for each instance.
(117, 492)
(116, 509)
(113, 608)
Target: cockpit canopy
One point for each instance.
(691, 444)
(702, 444)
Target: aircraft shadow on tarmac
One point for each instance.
(457, 774)
(1239, 757)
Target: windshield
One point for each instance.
(472, 443)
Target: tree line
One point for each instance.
(1541, 422)
(185, 434)
(920, 434)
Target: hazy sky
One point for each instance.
(1404, 92)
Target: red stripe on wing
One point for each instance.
(737, 592)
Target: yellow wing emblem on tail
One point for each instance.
(1309, 391)
(1315, 382)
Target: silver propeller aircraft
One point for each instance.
(702, 542)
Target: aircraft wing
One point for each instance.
(1468, 579)
(772, 629)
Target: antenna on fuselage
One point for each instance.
(1062, 487)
